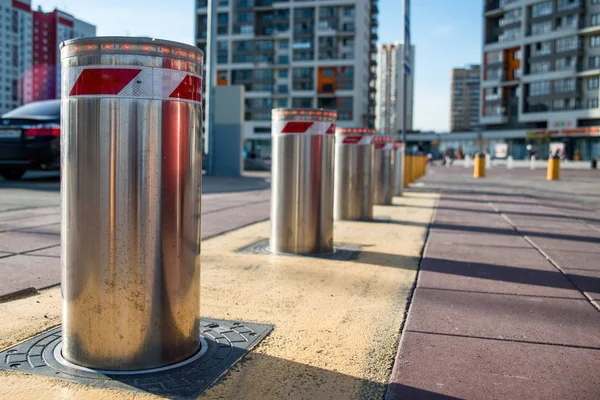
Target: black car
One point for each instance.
(30, 139)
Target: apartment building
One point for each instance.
(464, 98)
(49, 30)
(296, 53)
(15, 52)
(541, 64)
(389, 88)
(29, 54)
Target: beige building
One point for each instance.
(465, 99)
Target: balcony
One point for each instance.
(492, 5)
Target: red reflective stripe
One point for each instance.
(190, 88)
(379, 145)
(351, 139)
(330, 130)
(103, 81)
(296, 127)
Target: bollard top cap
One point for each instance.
(303, 114)
(556, 157)
(112, 45)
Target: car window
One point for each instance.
(46, 109)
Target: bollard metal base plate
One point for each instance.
(341, 251)
(226, 343)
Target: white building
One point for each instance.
(295, 54)
(389, 95)
(15, 52)
(541, 64)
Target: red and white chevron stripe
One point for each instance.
(133, 82)
(303, 128)
(357, 140)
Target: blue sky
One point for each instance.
(447, 34)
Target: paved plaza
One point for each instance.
(463, 289)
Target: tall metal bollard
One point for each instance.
(303, 142)
(131, 177)
(553, 173)
(353, 193)
(479, 168)
(399, 168)
(383, 172)
(532, 162)
(467, 161)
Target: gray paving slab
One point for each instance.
(440, 367)
(219, 222)
(22, 271)
(50, 252)
(586, 281)
(20, 242)
(520, 271)
(569, 322)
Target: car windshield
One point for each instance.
(42, 109)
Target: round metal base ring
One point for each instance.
(59, 357)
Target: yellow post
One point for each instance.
(479, 170)
(415, 168)
(553, 168)
(407, 172)
(423, 165)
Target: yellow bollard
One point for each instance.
(479, 170)
(407, 171)
(415, 168)
(423, 165)
(553, 168)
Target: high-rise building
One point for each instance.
(29, 54)
(295, 53)
(541, 64)
(15, 52)
(465, 94)
(389, 95)
(49, 30)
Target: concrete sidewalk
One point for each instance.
(507, 298)
(30, 223)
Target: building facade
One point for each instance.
(464, 102)
(541, 64)
(389, 88)
(49, 30)
(29, 54)
(295, 53)
(15, 52)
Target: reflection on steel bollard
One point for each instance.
(383, 173)
(353, 194)
(479, 169)
(509, 162)
(532, 162)
(131, 175)
(488, 161)
(399, 168)
(553, 173)
(302, 181)
(467, 161)
(407, 169)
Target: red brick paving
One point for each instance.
(492, 317)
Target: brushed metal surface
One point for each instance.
(383, 176)
(130, 188)
(302, 194)
(353, 193)
(398, 171)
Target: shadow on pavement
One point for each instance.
(213, 184)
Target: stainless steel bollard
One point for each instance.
(302, 181)
(398, 168)
(130, 185)
(383, 170)
(353, 193)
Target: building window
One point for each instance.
(539, 88)
(595, 20)
(564, 5)
(565, 85)
(569, 43)
(540, 67)
(593, 83)
(282, 73)
(594, 61)
(565, 63)
(592, 103)
(541, 27)
(595, 41)
(541, 9)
